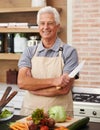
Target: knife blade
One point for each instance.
(75, 71)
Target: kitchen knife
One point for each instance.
(74, 72)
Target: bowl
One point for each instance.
(7, 112)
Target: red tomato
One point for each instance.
(44, 127)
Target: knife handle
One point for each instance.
(8, 100)
(11, 96)
(58, 87)
(6, 93)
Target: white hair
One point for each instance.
(49, 9)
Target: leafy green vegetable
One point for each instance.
(58, 113)
(37, 115)
(5, 114)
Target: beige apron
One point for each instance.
(46, 67)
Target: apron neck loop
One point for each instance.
(60, 50)
(35, 53)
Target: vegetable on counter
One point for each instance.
(76, 125)
(19, 126)
(44, 128)
(61, 128)
(58, 113)
(39, 120)
(4, 114)
(37, 115)
(79, 124)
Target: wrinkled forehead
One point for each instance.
(47, 17)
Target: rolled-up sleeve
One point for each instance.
(25, 59)
(70, 59)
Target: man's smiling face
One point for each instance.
(47, 26)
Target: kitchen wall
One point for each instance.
(28, 3)
(85, 37)
(5, 64)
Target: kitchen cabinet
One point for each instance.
(11, 15)
(22, 12)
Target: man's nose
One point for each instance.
(46, 25)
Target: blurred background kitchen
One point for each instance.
(80, 27)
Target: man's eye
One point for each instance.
(49, 23)
(42, 24)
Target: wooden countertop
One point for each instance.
(90, 126)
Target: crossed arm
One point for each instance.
(44, 87)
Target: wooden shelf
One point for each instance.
(9, 56)
(15, 30)
(22, 12)
(19, 10)
(22, 9)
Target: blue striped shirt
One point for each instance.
(69, 55)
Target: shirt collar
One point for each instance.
(55, 47)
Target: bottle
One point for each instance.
(10, 42)
(20, 43)
(1, 43)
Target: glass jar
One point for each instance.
(38, 3)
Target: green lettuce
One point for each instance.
(58, 113)
(5, 114)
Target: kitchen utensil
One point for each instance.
(5, 102)
(74, 72)
(7, 112)
(6, 93)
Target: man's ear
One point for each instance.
(59, 28)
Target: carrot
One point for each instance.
(19, 126)
(69, 118)
(61, 128)
(13, 128)
(29, 118)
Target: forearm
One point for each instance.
(35, 84)
(27, 82)
(53, 91)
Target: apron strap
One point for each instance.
(60, 50)
(35, 53)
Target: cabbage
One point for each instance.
(58, 113)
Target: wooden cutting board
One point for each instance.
(67, 123)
